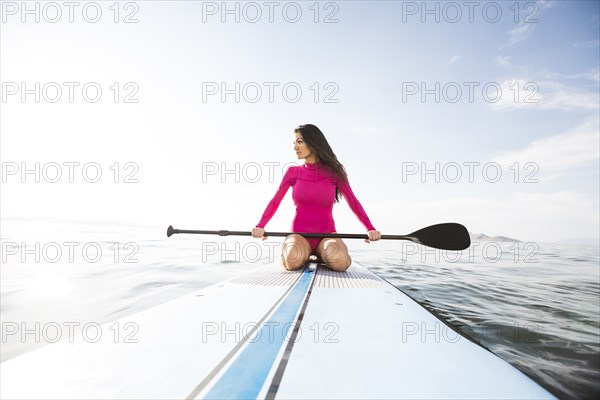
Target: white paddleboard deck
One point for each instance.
(272, 333)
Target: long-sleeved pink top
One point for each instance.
(314, 195)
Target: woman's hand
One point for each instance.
(373, 236)
(258, 233)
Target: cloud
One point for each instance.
(592, 74)
(518, 93)
(503, 62)
(556, 154)
(453, 59)
(529, 19)
(590, 44)
(545, 4)
(554, 95)
(519, 34)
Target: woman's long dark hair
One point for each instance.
(316, 141)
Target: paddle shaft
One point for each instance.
(285, 234)
(447, 236)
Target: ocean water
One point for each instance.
(536, 305)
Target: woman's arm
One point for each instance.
(273, 205)
(354, 204)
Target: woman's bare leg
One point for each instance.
(295, 252)
(334, 254)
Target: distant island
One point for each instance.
(479, 237)
(482, 237)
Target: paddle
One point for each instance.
(447, 236)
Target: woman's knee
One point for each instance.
(295, 252)
(340, 263)
(290, 265)
(335, 254)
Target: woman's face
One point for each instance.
(300, 147)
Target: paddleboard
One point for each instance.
(271, 333)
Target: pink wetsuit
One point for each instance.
(314, 194)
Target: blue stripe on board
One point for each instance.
(248, 373)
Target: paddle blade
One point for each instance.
(448, 236)
(170, 230)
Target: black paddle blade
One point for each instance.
(170, 230)
(448, 236)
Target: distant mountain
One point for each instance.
(482, 237)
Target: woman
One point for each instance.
(316, 186)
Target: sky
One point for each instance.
(182, 112)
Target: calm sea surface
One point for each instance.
(536, 305)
